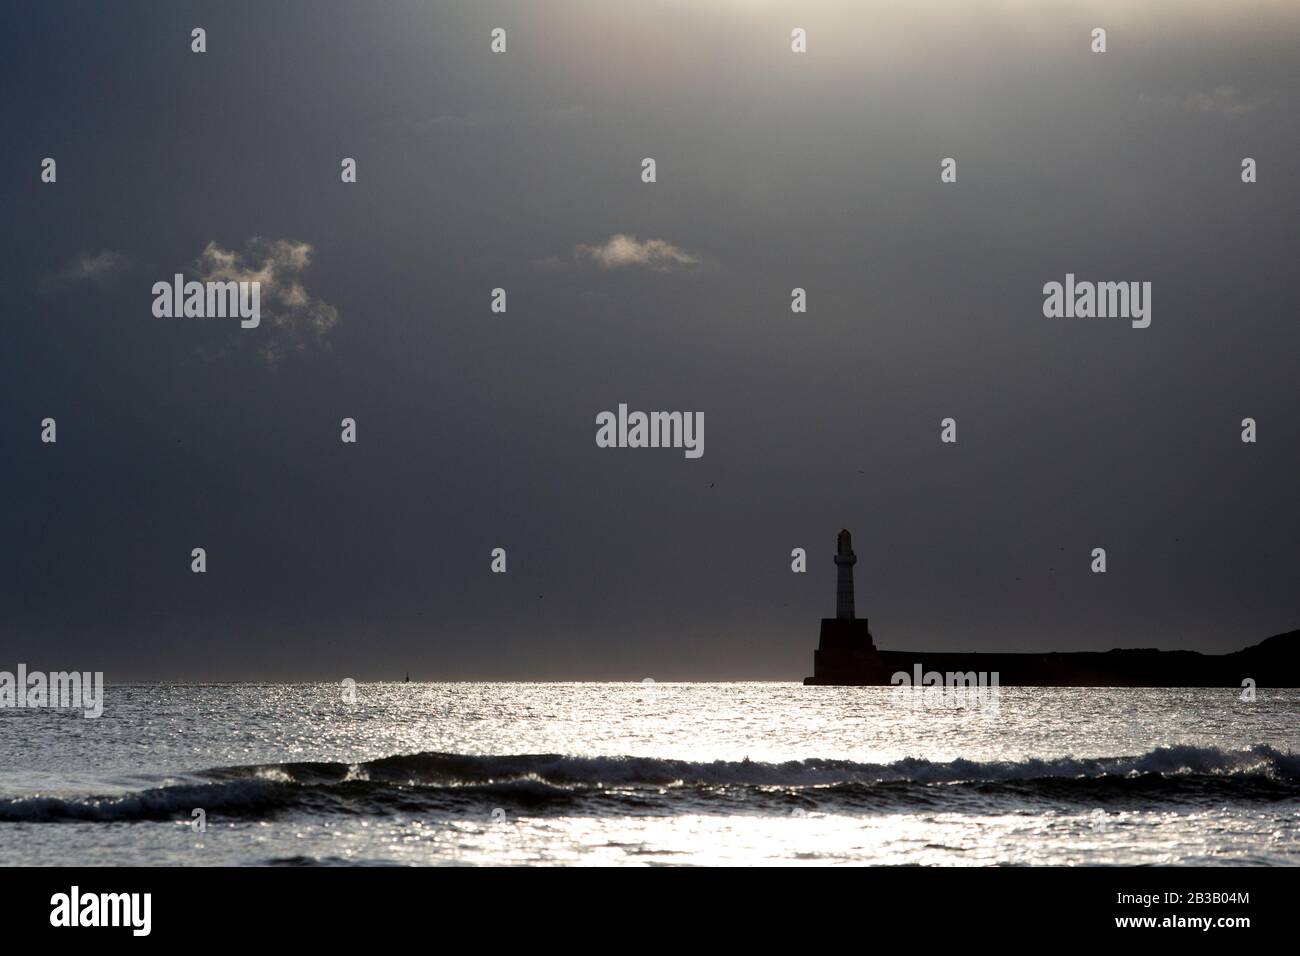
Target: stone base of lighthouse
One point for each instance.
(846, 654)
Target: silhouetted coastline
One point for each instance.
(847, 655)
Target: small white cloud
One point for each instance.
(1222, 100)
(550, 263)
(621, 251)
(448, 122)
(92, 267)
(292, 317)
(455, 121)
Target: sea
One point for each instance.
(652, 774)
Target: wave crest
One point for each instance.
(555, 783)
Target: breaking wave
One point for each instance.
(553, 784)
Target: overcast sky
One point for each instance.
(477, 430)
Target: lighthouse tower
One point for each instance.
(844, 561)
(846, 652)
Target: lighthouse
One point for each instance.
(844, 561)
(846, 653)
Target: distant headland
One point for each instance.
(847, 655)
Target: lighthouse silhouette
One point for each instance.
(844, 561)
(846, 652)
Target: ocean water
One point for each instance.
(652, 774)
